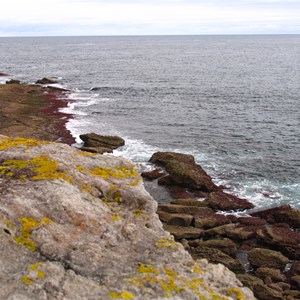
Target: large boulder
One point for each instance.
(105, 141)
(76, 225)
(226, 202)
(183, 171)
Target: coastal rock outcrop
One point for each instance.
(76, 225)
(183, 171)
(101, 143)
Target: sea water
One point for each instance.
(231, 101)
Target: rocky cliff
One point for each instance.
(77, 225)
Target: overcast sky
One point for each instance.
(140, 17)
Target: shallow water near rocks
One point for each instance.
(231, 101)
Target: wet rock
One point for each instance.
(180, 232)
(176, 219)
(275, 274)
(225, 202)
(249, 280)
(183, 171)
(96, 140)
(281, 214)
(225, 245)
(46, 81)
(189, 202)
(182, 209)
(260, 257)
(277, 234)
(154, 174)
(264, 292)
(99, 150)
(217, 256)
(208, 219)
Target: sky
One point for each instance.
(140, 17)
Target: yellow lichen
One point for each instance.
(34, 274)
(147, 269)
(117, 172)
(84, 153)
(166, 243)
(123, 295)
(236, 293)
(6, 143)
(116, 217)
(138, 213)
(27, 280)
(28, 225)
(42, 167)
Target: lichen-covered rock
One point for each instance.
(76, 225)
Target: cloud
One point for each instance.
(103, 17)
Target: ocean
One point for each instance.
(231, 101)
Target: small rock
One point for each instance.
(220, 230)
(260, 257)
(274, 274)
(296, 280)
(154, 174)
(249, 280)
(252, 221)
(295, 268)
(176, 219)
(183, 209)
(13, 81)
(99, 150)
(264, 292)
(181, 232)
(208, 219)
(217, 256)
(46, 81)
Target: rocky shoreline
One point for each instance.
(32, 110)
(261, 248)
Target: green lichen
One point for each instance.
(122, 295)
(28, 225)
(7, 143)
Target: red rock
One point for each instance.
(251, 221)
(225, 202)
(208, 219)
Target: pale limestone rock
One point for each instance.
(75, 225)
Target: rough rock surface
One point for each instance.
(75, 225)
(183, 171)
(104, 141)
(46, 81)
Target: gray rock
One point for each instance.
(77, 225)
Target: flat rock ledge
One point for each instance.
(78, 225)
